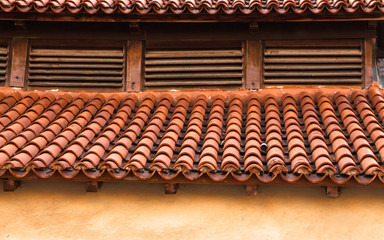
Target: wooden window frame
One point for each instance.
(366, 53)
(78, 43)
(203, 44)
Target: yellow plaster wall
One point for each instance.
(57, 210)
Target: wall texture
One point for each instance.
(56, 210)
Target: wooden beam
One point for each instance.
(251, 189)
(92, 186)
(253, 65)
(171, 188)
(10, 185)
(135, 66)
(19, 62)
(332, 192)
(154, 17)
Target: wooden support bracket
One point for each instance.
(10, 185)
(251, 189)
(92, 186)
(171, 188)
(332, 192)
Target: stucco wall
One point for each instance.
(53, 210)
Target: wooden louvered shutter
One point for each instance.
(193, 65)
(313, 62)
(4, 59)
(74, 67)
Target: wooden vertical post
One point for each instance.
(135, 66)
(369, 44)
(171, 188)
(19, 62)
(253, 65)
(10, 185)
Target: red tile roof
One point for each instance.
(312, 134)
(192, 6)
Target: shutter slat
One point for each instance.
(312, 60)
(76, 53)
(3, 64)
(199, 82)
(313, 74)
(75, 60)
(303, 62)
(76, 68)
(313, 52)
(311, 67)
(193, 61)
(200, 68)
(195, 68)
(68, 84)
(314, 80)
(187, 75)
(75, 72)
(75, 78)
(193, 54)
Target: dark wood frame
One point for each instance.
(76, 43)
(366, 48)
(201, 44)
(135, 43)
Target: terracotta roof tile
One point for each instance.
(192, 6)
(333, 133)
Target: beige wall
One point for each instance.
(56, 210)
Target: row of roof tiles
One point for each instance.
(193, 6)
(242, 134)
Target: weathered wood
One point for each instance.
(92, 186)
(193, 53)
(75, 60)
(332, 192)
(312, 66)
(196, 68)
(313, 52)
(194, 83)
(193, 61)
(313, 60)
(10, 185)
(171, 188)
(75, 78)
(344, 74)
(79, 65)
(78, 71)
(192, 75)
(253, 66)
(314, 43)
(313, 81)
(85, 17)
(251, 189)
(135, 66)
(76, 52)
(368, 61)
(4, 69)
(74, 84)
(19, 61)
